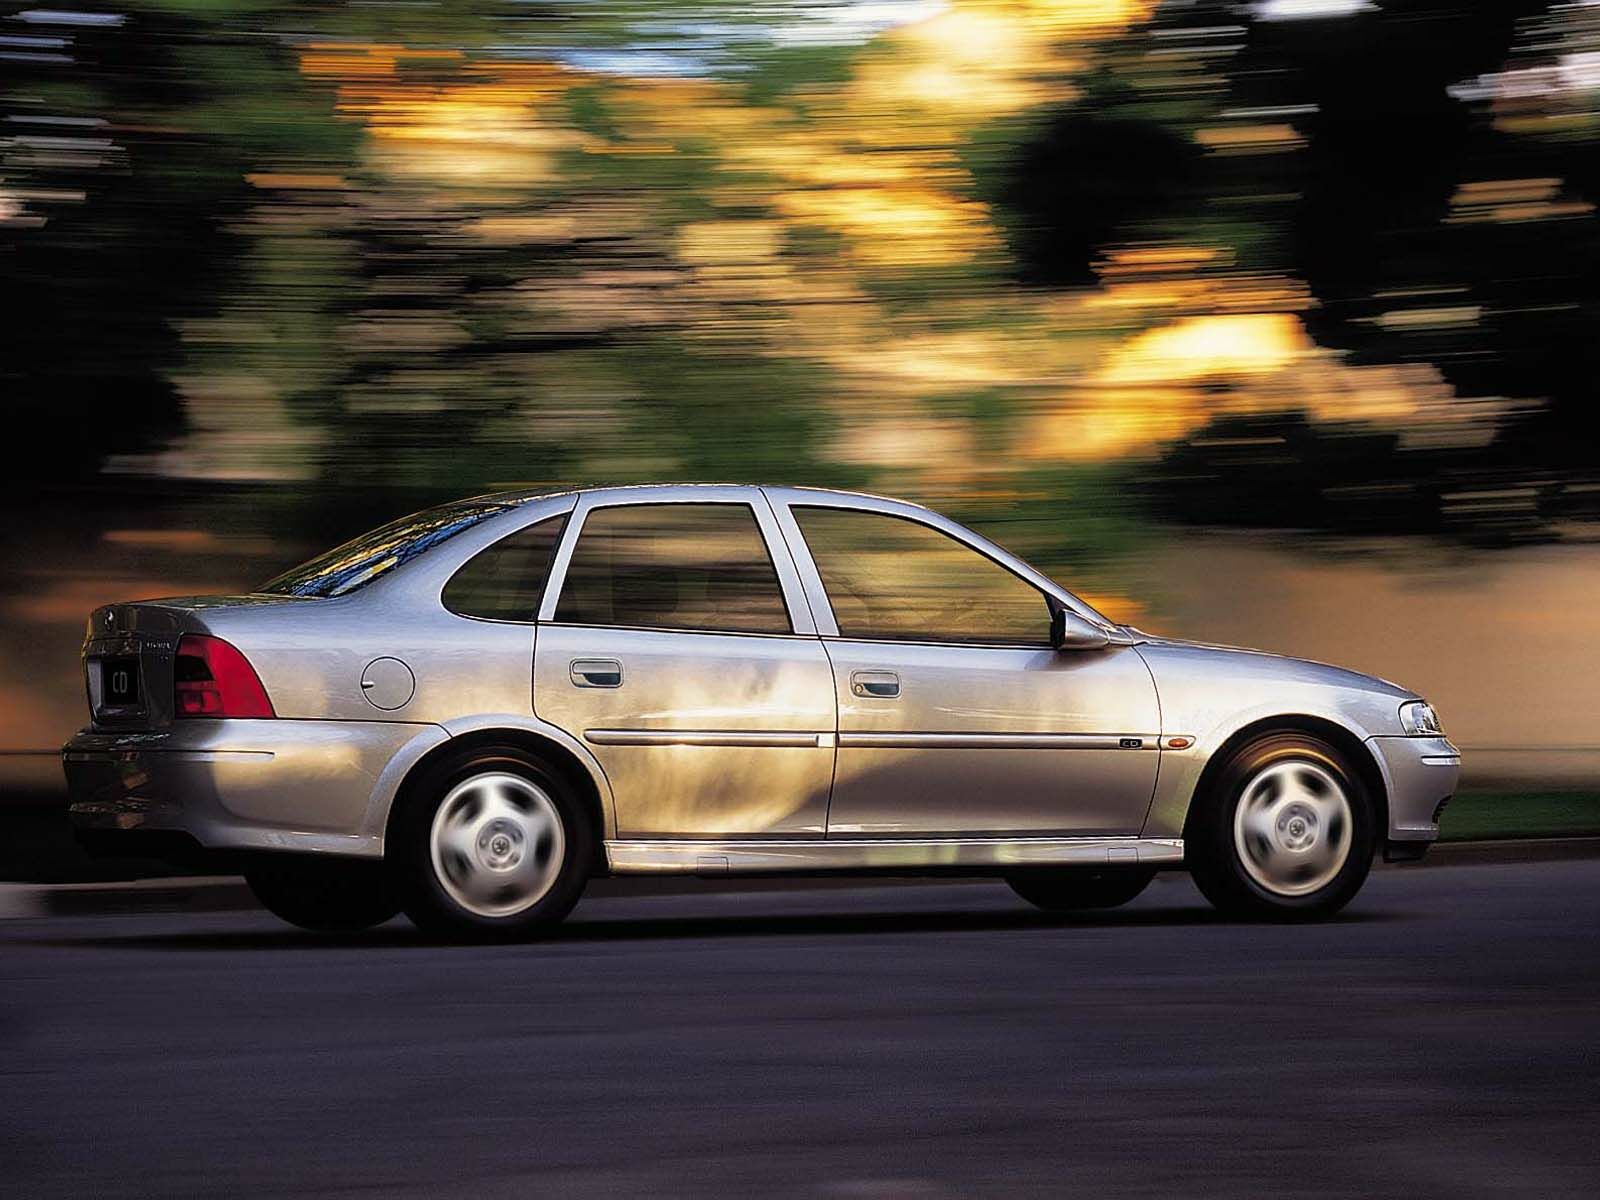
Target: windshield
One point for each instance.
(361, 560)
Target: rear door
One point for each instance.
(675, 640)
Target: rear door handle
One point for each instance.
(884, 685)
(596, 672)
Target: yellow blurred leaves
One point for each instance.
(767, 229)
(1249, 139)
(290, 181)
(483, 127)
(730, 244)
(875, 164)
(1513, 200)
(1171, 381)
(1204, 347)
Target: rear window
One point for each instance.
(361, 560)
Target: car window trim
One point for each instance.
(942, 645)
(544, 587)
(1047, 599)
(782, 498)
(696, 631)
(790, 590)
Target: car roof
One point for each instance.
(520, 497)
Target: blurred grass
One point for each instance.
(1475, 816)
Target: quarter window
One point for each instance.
(893, 578)
(506, 581)
(673, 566)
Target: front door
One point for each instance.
(671, 651)
(955, 715)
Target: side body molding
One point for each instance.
(776, 856)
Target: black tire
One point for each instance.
(1223, 870)
(1063, 889)
(334, 895)
(552, 862)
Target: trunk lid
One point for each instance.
(129, 653)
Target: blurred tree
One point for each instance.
(1427, 168)
(1096, 176)
(131, 137)
(413, 250)
(1410, 214)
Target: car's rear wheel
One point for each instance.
(491, 843)
(1064, 889)
(1287, 832)
(326, 895)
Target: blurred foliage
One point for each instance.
(1476, 816)
(1053, 265)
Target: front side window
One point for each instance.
(673, 566)
(506, 581)
(896, 579)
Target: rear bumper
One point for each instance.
(306, 786)
(1420, 774)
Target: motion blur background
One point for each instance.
(1274, 323)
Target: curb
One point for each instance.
(1509, 850)
(227, 893)
(199, 893)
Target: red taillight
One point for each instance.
(214, 680)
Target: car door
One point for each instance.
(955, 714)
(676, 641)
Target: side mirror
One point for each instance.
(1069, 631)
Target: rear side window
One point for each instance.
(506, 581)
(673, 566)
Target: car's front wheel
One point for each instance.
(1287, 833)
(491, 843)
(1065, 889)
(333, 895)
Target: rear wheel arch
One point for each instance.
(567, 765)
(1353, 748)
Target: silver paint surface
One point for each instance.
(709, 738)
(988, 738)
(665, 781)
(641, 856)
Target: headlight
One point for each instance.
(1419, 720)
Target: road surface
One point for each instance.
(919, 1041)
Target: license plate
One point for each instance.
(119, 680)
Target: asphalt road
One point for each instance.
(901, 1041)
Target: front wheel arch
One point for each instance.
(1354, 749)
(1258, 871)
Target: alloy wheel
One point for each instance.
(497, 844)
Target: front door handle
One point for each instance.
(596, 672)
(884, 685)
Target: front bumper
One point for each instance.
(308, 786)
(1420, 774)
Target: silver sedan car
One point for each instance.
(469, 712)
